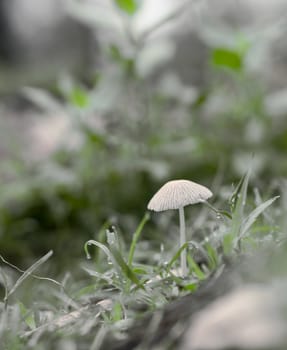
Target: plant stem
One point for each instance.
(182, 241)
(136, 237)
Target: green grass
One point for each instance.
(122, 285)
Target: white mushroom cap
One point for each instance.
(178, 193)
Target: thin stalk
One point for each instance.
(136, 237)
(182, 242)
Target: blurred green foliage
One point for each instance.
(227, 58)
(129, 6)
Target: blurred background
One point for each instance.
(102, 101)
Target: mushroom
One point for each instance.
(177, 194)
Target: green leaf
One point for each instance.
(191, 287)
(140, 271)
(27, 315)
(249, 221)
(237, 205)
(127, 271)
(238, 202)
(225, 213)
(227, 58)
(117, 312)
(128, 6)
(79, 98)
(116, 53)
(117, 260)
(212, 256)
(176, 256)
(227, 243)
(195, 268)
(126, 63)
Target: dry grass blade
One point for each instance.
(27, 273)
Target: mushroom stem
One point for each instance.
(182, 241)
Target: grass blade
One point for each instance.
(104, 248)
(238, 201)
(237, 204)
(249, 221)
(126, 270)
(196, 269)
(176, 256)
(117, 260)
(213, 258)
(27, 273)
(136, 237)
